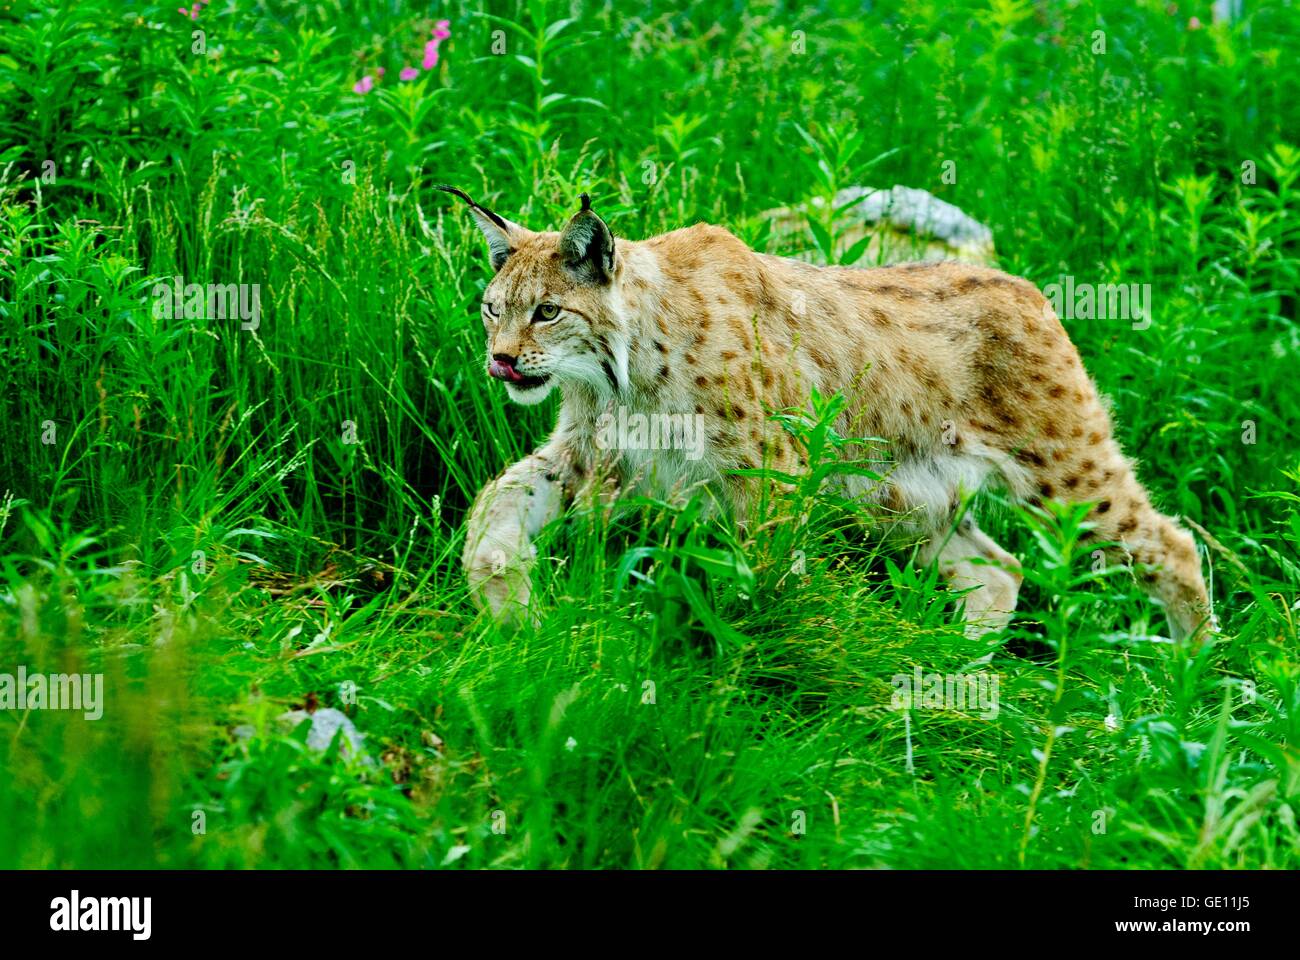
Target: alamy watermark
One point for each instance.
(208, 301)
(945, 691)
(651, 431)
(53, 691)
(76, 913)
(1101, 301)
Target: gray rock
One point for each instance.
(902, 224)
(915, 210)
(324, 724)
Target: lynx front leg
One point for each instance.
(969, 558)
(507, 514)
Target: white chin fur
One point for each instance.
(528, 396)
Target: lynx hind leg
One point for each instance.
(1164, 555)
(507, 514)
(970, 558)
(1165, 560)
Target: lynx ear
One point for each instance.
(587, 246)
(502, 235)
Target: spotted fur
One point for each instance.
(966, 371)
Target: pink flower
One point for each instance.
(409, 73)
(430, 55)
(380, 71)
(1194, 23)
(364, 85)
(441, 31)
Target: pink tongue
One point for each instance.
(503, 371)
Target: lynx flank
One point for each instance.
(965, 370)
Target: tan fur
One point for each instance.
(965, 370)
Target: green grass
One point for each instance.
(197, 530)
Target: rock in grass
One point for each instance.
(897, 225)
(324, 725)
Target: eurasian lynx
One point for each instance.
(965, 370)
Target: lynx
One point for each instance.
(965, 370)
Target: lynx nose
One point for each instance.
(503, 367)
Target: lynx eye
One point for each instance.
(546, 311)
(491, 309)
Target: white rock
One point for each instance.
(324, 724)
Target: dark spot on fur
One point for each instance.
(820, 359)
(893, 290)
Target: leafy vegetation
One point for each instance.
(182, 510)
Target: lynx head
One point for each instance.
(552, 313)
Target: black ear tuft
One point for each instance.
(448, 188)
(498, 231)
(587, 246)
